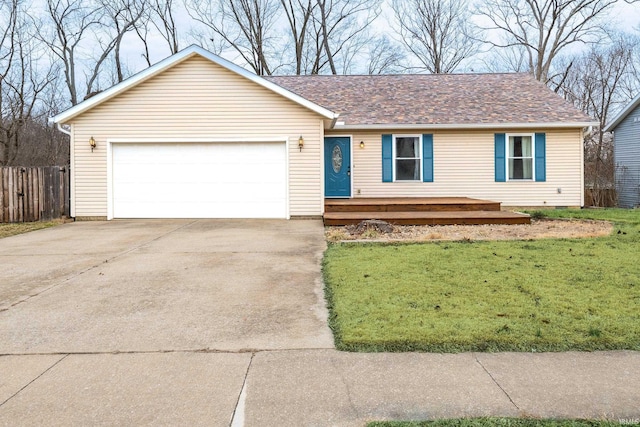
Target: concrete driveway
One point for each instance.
(151, 321)
(163, 285)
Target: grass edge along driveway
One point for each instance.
(534, 295)
(12, 229)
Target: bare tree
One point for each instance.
(299, 14)
(122, 17)
(22, 82)
(84, 35)
(511, 58)
(352, 58)
(142, 31)
(595, 84)
(544, 28)
(158, 14)
(67, 25)
(8, 23)
(340, 28)
(165, 22)
(384, 57)
(245, 26)
(439, 33)
(41, 144)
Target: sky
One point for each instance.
(628, 15)
(624, 16)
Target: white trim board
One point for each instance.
(470, 126)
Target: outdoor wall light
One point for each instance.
(92, 143)
(361, 144)
(300, 142)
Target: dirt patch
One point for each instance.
(538, 229)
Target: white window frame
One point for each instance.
(508, 157)
(420, 156)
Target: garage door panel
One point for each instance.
(199, 180)
(203, 210)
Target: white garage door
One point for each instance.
(217, 180)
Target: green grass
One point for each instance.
(622, 216)
(501, 422)
(543, 295)
(7, 230)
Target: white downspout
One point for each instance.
(71, 189)
(63, 130)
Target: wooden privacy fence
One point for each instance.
(29, 194)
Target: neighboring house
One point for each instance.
(626, 153)
(197, 136)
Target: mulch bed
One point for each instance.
(538, 229)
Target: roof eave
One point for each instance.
(622, 115)
(169, 62)
(467, 126)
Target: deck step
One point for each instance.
(429, 218)
(410, 204)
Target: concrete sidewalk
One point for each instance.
(313, 387)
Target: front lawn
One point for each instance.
(543, 295)
(500, 422)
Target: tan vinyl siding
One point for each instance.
(464, 166)
(196, 99)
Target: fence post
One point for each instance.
(1, 195)
(61, 191)
(5, 194)
(41, 207)
(35, 194)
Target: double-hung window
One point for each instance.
(520, 157)
(407, 157)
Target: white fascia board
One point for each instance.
(555, 125)
(622, 115)
(170, 62)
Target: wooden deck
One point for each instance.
(420, 211)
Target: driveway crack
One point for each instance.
(346, 386)
(496, 382)
(237, 418)
(34, 380)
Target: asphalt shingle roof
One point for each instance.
(434, 99)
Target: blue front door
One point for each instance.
(337, 166)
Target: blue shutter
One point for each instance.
(387, 158)
(500, 157)
(541, 161)
(427, 158)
